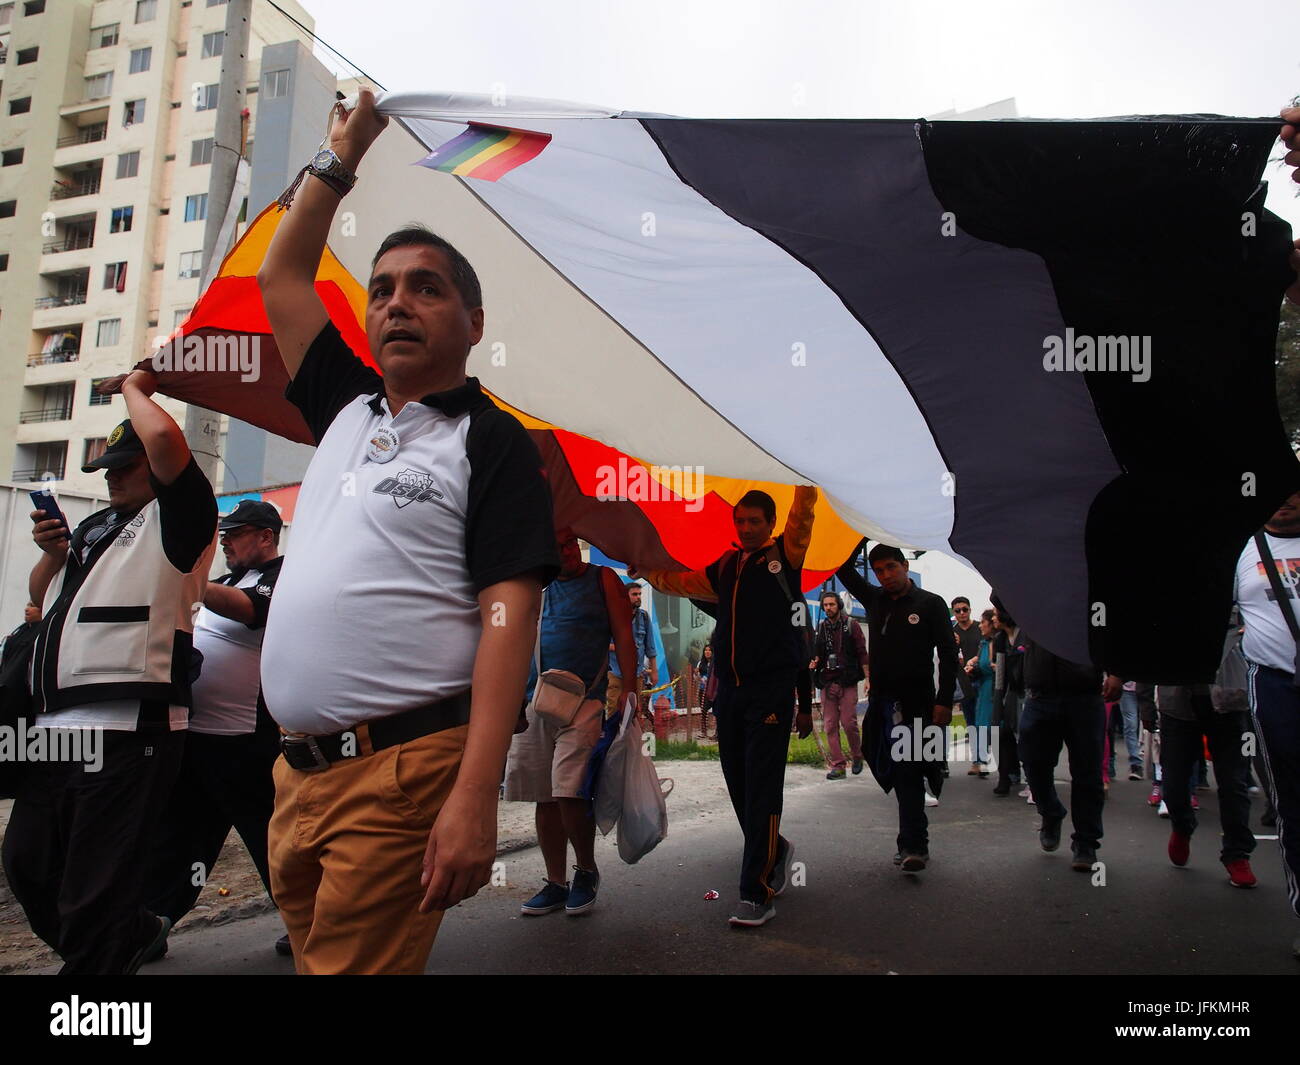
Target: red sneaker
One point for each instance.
(1239, 874)
(1180, 847)
(1195, 805)
(1154, 798)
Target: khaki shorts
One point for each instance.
(548, 762)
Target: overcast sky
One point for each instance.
(836, 58)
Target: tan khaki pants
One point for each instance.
(346, 847)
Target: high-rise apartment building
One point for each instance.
(107, 114)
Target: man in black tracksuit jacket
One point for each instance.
(906, 627)
(760, 645)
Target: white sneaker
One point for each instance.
(1029, 798)
(930, 800)
(1164, 810)
(1024, 792)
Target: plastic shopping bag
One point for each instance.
(608, 803)
(644, 820)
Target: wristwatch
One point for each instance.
(330, 169)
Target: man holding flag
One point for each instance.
(396, 655)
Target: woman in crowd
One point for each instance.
(981, 672)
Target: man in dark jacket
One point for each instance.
(1063, 704)
(761, 647)
(907, 626)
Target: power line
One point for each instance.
(327, 46)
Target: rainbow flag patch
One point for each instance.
(486, 152)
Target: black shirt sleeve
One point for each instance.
(260, 594)
(509, 525)
(188, 512)
(862, 589)
(330, 378)
(941, 628)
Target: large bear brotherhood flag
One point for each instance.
(1043, 347)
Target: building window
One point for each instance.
(206, 99)
(33, 7)
(133, 112)
(121, 220)
(20, 106)
(191, 264)
(96, 398)
(95, 446)
(115, 276)
(201, 151)
(141, 58)
(6, 14)
(178, 317)
(196, 207)
(103, 36)
(8, 208)
(217, 3)
(27, 55)
(50, 461)
(277, 83)
(99, 86)
(145, 10)
(128, 164)
(12, 157)
(213, 45)
(108, 332)
(4, 261)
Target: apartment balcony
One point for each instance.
(72, 242)
(55, 471)
(53, 358)
(54, 414)
(82, 146)
(86, 135)
(68, 190)
(67, 299)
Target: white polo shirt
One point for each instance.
(1267, 640)
(376, 609)
(225, 695)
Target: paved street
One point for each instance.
(991, 901)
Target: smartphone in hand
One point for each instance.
(44, 501)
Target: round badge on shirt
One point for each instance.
(913, 619)
(383, 445)
(774, 566)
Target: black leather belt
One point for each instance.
(311, 754)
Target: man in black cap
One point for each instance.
(225, 780)
(112, 664)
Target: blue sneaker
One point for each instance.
(551, 898)
(582, 896)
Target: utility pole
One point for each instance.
(203, 427)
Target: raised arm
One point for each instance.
(688, 584)
(859, 587)
(1291, 138)
(797, 534)
(288, 274)
(164, 442)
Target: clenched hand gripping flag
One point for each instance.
(1043, 347)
